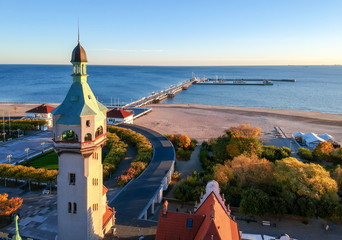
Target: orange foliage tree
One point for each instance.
(245, 130)
(223, 174)
(183, 141)
(322, 150)
(8, 206)
(250, 170)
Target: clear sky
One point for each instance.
(177, 32)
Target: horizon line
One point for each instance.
(154, 65)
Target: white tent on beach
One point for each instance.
(312, 140)
(298, 134)
(326, 136)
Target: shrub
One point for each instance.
(117, 152)
(273, 153)
(305, 154)
(143, 158)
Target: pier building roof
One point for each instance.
(41, 109)
(118, 113)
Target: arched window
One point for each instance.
(99, 131)
(75, 207)
(69, 207)
(69, 136)
(87, 137)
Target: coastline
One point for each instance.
(204, 122)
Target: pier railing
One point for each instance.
(156, 97)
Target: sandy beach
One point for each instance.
(204, 122)
(19, 109)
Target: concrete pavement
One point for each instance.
(17, 146)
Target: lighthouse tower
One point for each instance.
(79, 133)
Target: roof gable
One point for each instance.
(216, 216)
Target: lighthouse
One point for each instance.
(79, 133)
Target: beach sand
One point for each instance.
(19, 109)
(203, 122)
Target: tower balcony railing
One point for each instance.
(78, 144)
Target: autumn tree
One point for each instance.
(239, 145)
(223, 174)
(245, 130)
(323, 150)
(310, 180)
(8, 206)
(250, 170)
(183, 141)
(337, 175)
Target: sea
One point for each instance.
(317, 88)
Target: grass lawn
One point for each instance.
(48, 161)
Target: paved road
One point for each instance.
(131, 201)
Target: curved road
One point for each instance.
(133, 199)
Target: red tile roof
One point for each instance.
(41, 109)
(107, 216)
(173, 225)
(210, 219)
(104, 190)
(118, 113)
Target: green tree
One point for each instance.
(254, 202)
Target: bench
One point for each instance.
(266, 223)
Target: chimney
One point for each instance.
(165, 207)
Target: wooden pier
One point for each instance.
(249, 80)
(157, 97)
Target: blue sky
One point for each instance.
(151, 32)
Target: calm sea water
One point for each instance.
(318, 88)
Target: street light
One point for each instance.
(26, 150)
(42, 145)
(9, 158)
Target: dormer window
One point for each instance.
(189, 223)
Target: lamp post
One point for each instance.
(9, 158)
(26, 150)
(42, 144)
